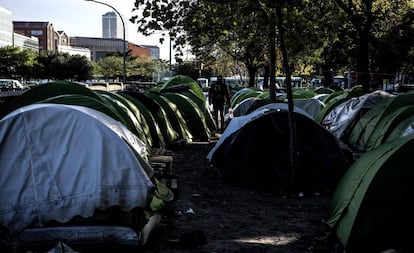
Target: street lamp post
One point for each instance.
(169, 65)
(123, 42)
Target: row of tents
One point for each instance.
(358, 145)
(72, 156)
(61, 140)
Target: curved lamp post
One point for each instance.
(123, 27)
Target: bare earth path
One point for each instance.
(208, 216)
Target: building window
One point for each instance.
(36, 32)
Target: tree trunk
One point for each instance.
(292, 125)
(328, 77)
(266, 77)
(272, 62)
(252, 74)
(363, 63)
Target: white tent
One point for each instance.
(58, 161)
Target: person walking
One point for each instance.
(219, 97)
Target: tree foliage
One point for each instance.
(145, 68)
(22, 63)
(110, 67)
(322, 37)
(61, 66)
(16, 62)
(137, 68)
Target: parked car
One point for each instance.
(316, 82)
(10, 84)
(203, 82)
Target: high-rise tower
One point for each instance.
(111, 26)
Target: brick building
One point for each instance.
(44, 31)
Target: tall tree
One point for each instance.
(208, 26)
(233, 28)
(393, 37)
(370, 19)
(333, 36)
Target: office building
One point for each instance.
(112, 27)
(99, 47)
(9, 38)
(6, 27)
(24, 42)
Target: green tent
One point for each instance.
(82, 100)
(370, 209)
(201, 104)
(157, 111)
(137, 116)
(179, 80)
(323, 90)
(375, 125)
(64, 92)
(193, 116)
(404, 128)
(336, 98)
(244, 94)
(182, 85)
(174, 116)
(303, 92)
(44, 91)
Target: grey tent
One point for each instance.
(254, 151)
(344, 116)
(58, 162)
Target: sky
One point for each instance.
(82, 18)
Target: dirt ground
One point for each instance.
(209, 216)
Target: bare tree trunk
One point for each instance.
(292, 125)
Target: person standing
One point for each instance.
(219, 97)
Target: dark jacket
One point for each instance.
(218, 93)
